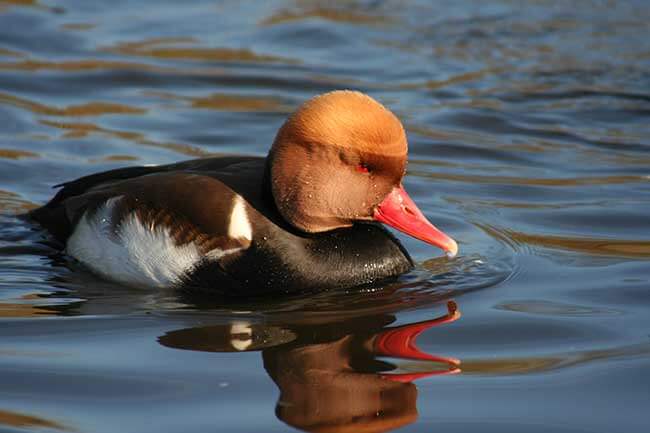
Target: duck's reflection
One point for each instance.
(331, 375)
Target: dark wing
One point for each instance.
(172, 186)
(56, 215)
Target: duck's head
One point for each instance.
(340, 158)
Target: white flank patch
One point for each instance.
(242, 334)
(240, 226)
(132, 253)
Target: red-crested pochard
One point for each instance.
(303, 218)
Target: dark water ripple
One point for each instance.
(529, 135)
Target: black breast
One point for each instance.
(281, 261)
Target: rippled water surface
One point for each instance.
(529, 131)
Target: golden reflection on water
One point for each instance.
(224, 102)
(508, 204)
(17, 154)
(454, 79)
(465, 136)
(82, 130)
(23, 421)
(513, 180)
(115, 158)
(163, 48)
(11, 203)
(78, 26)
(10, 53)
(554, 308)
(6, 4)
(81, 65)
(19, 2)
(634, 249)
(329, 14)
(25, 306)
(229, 102)
(540, 364)
(87, 109)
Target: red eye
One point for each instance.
(361, 168)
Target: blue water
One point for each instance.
(529, 134)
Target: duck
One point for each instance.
(309, 216)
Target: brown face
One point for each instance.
(340, 158)
(335, 159)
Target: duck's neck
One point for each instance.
(362, 254)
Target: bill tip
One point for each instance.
(452, 251)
